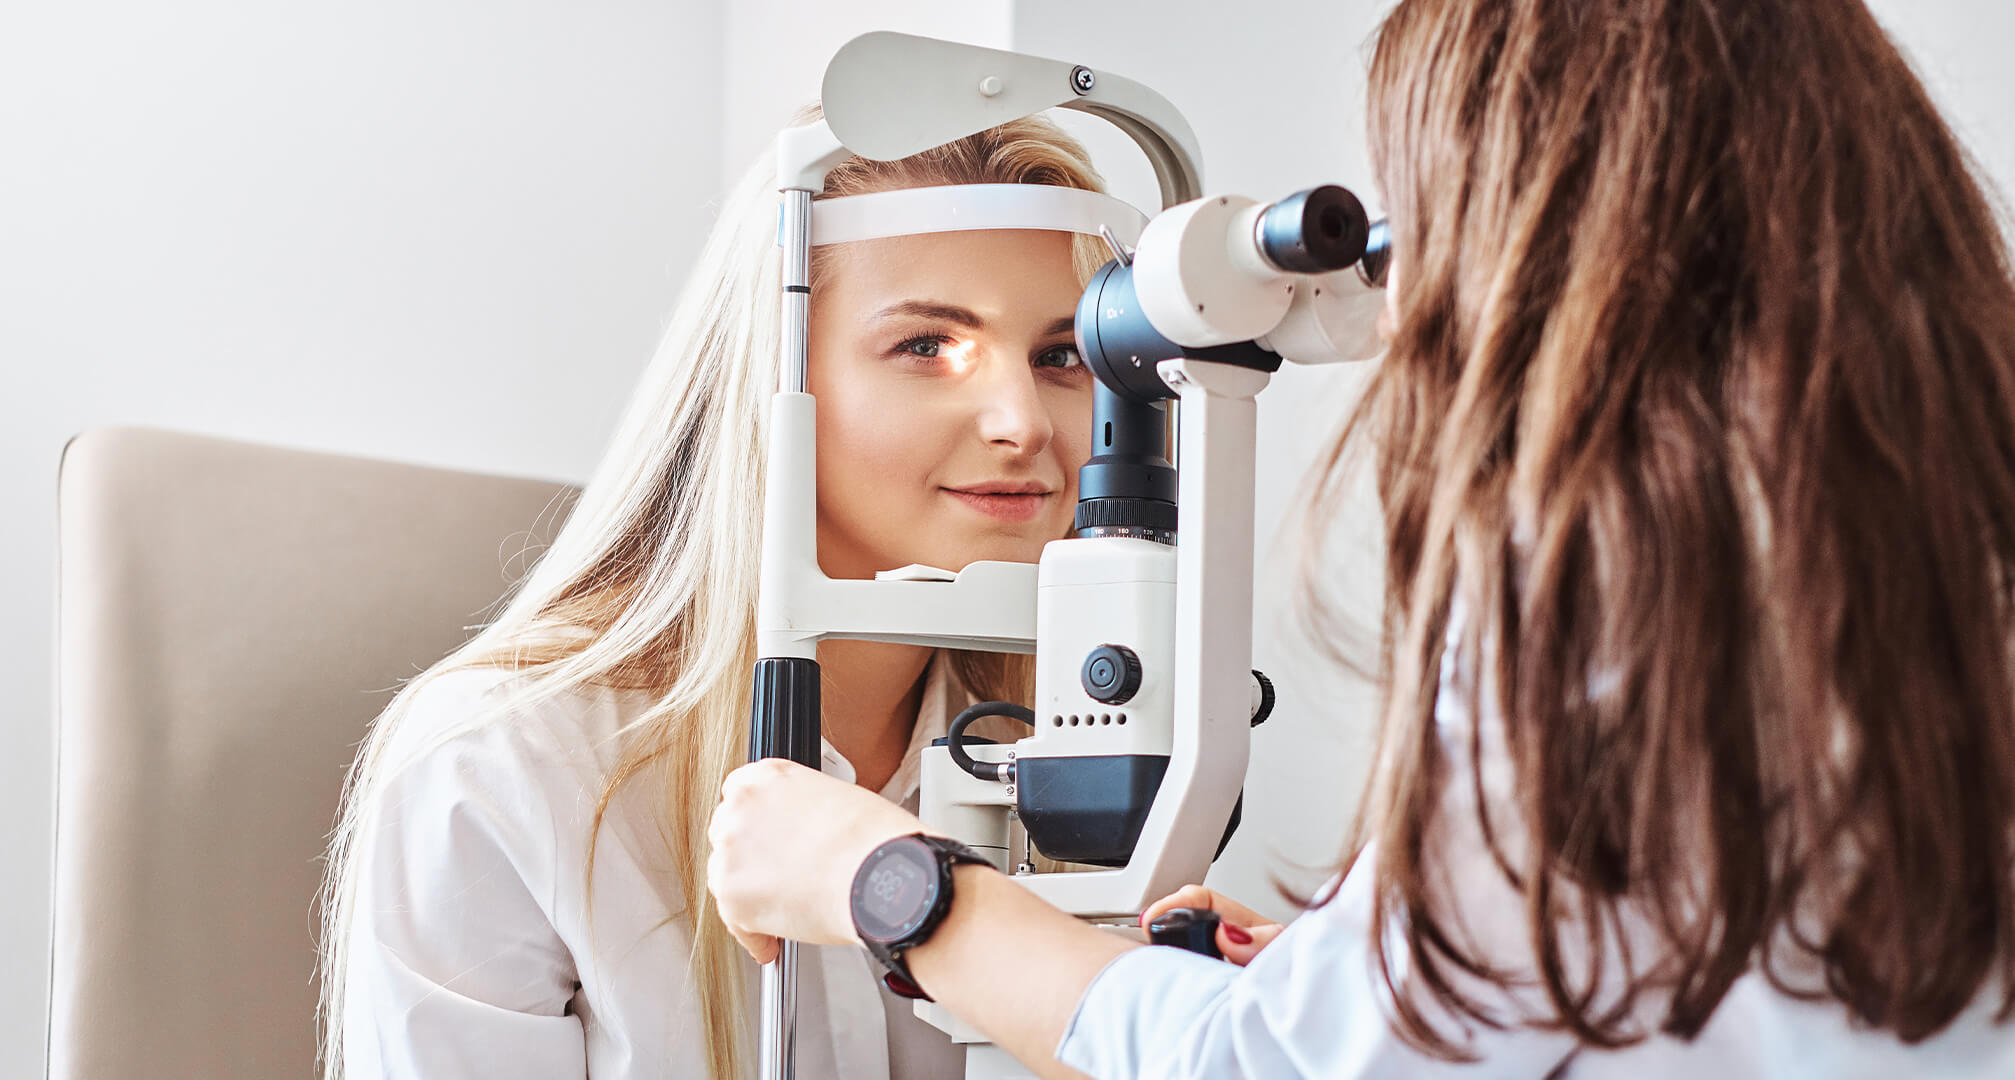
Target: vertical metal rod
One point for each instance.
(794, 235)
(777, 1047)
(778, 1055)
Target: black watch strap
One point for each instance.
(950, 854)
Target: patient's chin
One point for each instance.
(998, 551)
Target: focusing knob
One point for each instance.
(1126, 517)
(1111, 674)
(1264, 708)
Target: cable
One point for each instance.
(955, 735)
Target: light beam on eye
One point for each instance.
(958, 357)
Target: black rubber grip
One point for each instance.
(784, 711)
(1194, 929)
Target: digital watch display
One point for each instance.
(901, 892)
(898, 884)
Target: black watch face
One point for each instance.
(895, 890)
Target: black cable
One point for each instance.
(955, 735)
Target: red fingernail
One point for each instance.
(1236, 934)
(1143, 920)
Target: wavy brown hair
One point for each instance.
(1701, 405)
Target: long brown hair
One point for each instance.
(1701, 406)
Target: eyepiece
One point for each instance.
(1314, 231)
(1377, 261)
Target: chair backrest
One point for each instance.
(230, 619)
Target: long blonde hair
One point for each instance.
(651, 585)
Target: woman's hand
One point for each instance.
(786, 842)
(1241, 932)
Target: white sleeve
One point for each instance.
(454, 969)
(1311, 1005)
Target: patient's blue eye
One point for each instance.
(929, 347)
(1063, 356)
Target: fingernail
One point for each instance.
(1143, 920)
(1237, 935)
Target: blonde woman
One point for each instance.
(517, 883)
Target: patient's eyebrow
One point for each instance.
(966, 317)
(932, 309)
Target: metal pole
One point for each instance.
(777, 1048)
(779, 1051)
(794, 235)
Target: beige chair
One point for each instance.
(231, 617)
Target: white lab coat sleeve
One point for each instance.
(1312, 1004)
(453, 967)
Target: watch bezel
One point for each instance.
(924, 856)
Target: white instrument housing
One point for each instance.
(1185, 610)
(1200, 276)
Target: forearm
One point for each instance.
(1012, 966)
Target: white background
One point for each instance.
(448, 232)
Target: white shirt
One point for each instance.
(477, 952)
(1313, 1004)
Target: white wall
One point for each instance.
(1960, 48)
(431, 230)
(447, 232)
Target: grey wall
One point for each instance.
(447, 232)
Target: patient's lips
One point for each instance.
(1004, 500)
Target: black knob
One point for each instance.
(1111, 674)
(1266, 698)
(1194, 929)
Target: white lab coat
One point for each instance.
(477, 952)
(1313, 1005)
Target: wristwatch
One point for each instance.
(902, 891)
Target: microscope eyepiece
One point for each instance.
(1377, 261)
(1314, 231)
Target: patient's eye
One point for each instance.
(1062, 357)
(930, 346)
(935, 354)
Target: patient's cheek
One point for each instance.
(878, 442)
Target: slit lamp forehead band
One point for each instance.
(972, 207)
